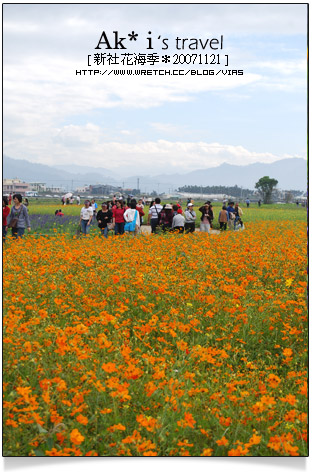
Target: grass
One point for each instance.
(271, 212)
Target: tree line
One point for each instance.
(234, 191)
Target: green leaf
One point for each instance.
(50, 443)
(39, 452)
(41, 429)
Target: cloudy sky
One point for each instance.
(158, 123)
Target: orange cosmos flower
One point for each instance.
(82, 419)
(109, 367)
(207, 452)
(11, 423)
(76, 437)
(148, 422)
(289, 399)
(239, 451)
(287, 352)
(290, 415)
(273, 380)
(303, 389)
(118, 427)
(188, 421)
(255, 439)
(182, 345)
(222, 442)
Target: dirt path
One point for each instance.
(145, 229)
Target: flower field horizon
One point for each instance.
(175, 345)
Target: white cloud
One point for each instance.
(79, 144)
(44, 44)
(168, 128)
(274, 19)
(39, 91)
(16, 27)
(282, 67)
(76, 22)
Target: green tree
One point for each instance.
(265, 187)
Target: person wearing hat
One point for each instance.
(166, 217)
(179, 207)
(86, 217)
(178, 220)
(190, 218)
(104, 216)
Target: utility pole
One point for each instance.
(138, 183)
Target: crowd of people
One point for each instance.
(122, 216)
(113, 215)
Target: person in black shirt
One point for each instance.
(104, 216)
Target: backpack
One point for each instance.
(130, 226)
(158, 215)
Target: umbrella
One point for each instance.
(67, 195)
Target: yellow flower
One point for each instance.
(289, 282)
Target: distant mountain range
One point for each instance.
(63, 175)
(290, 173)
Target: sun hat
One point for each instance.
(190, 204)
(168, 206)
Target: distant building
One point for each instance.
(55, 189)
(102, 189)
(82, 189)
(37, 186)
(212, 197)
(16, 185)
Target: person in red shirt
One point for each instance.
(10, 199)
(140, 209)
(5, 213)
(179, 211)
(118, 218)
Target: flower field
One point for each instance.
(176, 345)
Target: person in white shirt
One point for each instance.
(190, 218)
(86, 217)
(178, 221)
(94, 207)
(153, 215)
(129, 217)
